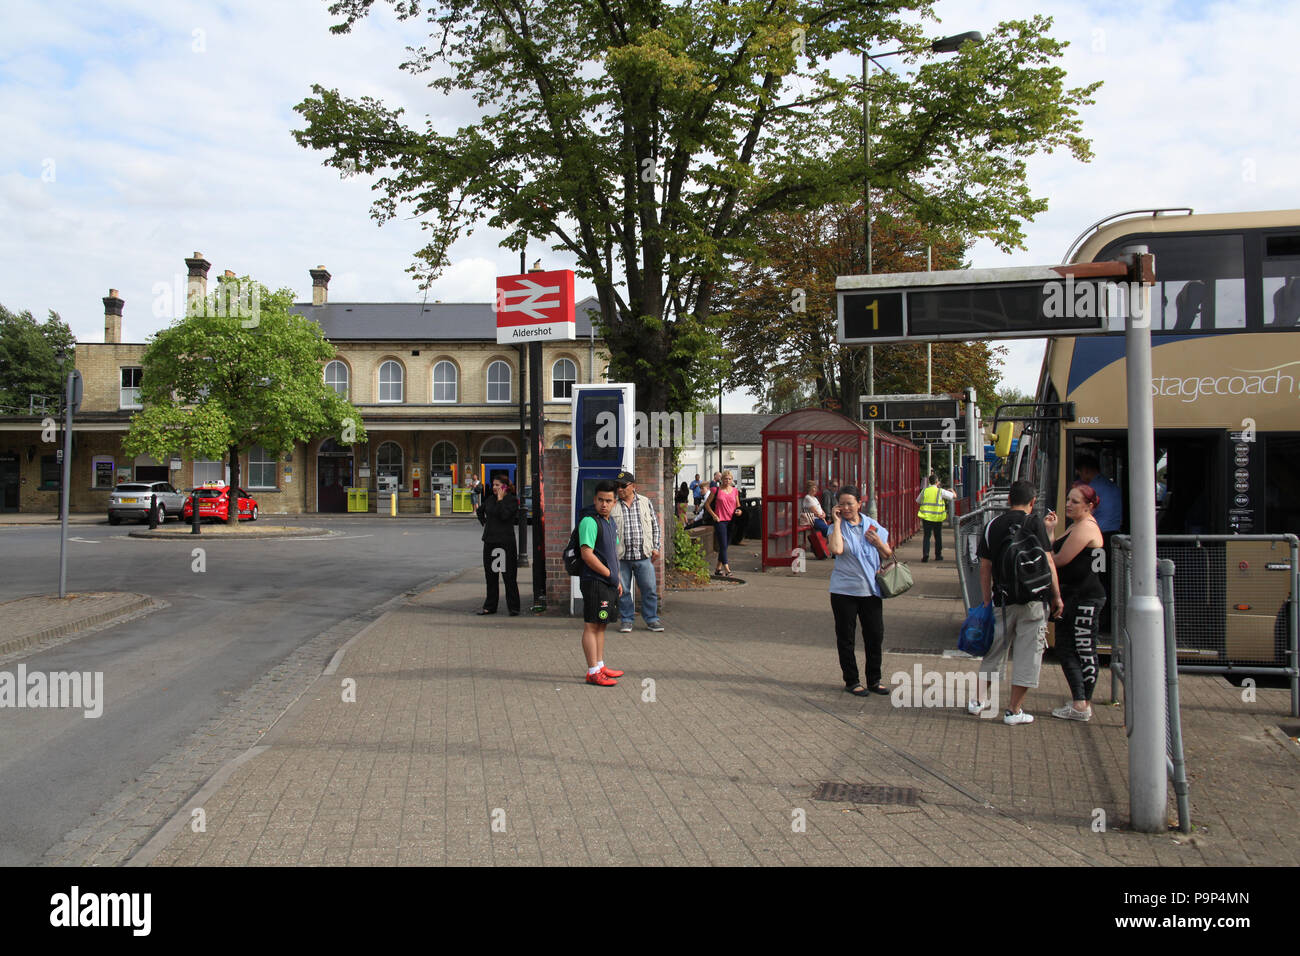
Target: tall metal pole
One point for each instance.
(872, 511)
(929, 370)
(539, 441)
(1144, 685)
(67, 486)
(521, 462)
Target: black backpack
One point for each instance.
(1024, 571)
(573, 562)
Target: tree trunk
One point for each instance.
(232, 512)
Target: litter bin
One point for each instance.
(747, 521)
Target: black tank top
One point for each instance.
(1078, 577)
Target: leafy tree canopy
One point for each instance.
(29, 364)
(216, 384)
(650, 139)
(782, 318)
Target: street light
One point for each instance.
(948, 44)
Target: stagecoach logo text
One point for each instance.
(1265, 381)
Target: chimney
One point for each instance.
(537, 267)
(320, 285)
(197, 285)
(112, 318)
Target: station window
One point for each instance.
(564, 373)
(498, 382)
(336, 377)
(390, 382)
(261, 468)
(444, 382)
(129, 396)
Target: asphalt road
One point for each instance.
(167, 673)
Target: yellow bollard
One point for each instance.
(392, 506)
(437, 505)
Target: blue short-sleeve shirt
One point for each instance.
(855, 569)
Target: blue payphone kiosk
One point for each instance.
(604, 443)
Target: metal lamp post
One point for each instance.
(948, 44)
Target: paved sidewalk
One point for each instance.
(474, 740)
(29, 621)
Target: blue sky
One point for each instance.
(138, 133)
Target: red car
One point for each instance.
(214, 502)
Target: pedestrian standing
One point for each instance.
(598, 546)
(721, 505)
(933, 499)
(681, 499)
(475, 490)
(500, 551)
(1019, 578)
(1075, 556)
(859, 544)
(697, 492)
(640, 541)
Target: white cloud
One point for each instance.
(161, 150)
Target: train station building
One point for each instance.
(438, 396)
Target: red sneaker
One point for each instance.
(609, 673)
(600, 679)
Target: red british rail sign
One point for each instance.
(535, 307)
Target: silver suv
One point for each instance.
(131, 500)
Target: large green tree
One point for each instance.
(29, 364)
(782, 320)
(647, 139)
(215, 384)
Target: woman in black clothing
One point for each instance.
(1074, 555)
(498, 514)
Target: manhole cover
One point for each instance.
(866, 793)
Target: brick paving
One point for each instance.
(473, 740)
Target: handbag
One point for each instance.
(893, 579)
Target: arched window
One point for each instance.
(498, 382)
(336, 377)
(444, 382)
(443, 459)
(388, 460)
(563, 442)
(564, 373)
(497, 447)
(390, 382)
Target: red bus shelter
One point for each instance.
(814, 444)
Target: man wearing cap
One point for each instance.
(640, 540)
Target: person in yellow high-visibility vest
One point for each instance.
(933, 512)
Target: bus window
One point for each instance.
(1282, 281)
(1200, 282)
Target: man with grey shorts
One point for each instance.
(1020, 629)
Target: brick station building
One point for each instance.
(437, 395)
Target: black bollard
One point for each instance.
(153, 512)
(194, 504)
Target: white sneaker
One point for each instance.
(975, 707)
(1020, 718)
(625, 628)
(1067, 712)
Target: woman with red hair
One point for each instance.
(1079, 555)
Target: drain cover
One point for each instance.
(866, 793)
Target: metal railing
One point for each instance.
(1235, 602)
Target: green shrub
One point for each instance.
(688, 556)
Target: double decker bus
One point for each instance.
(1225, 377)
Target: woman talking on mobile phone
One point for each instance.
(1081, 590)
(859, 544)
